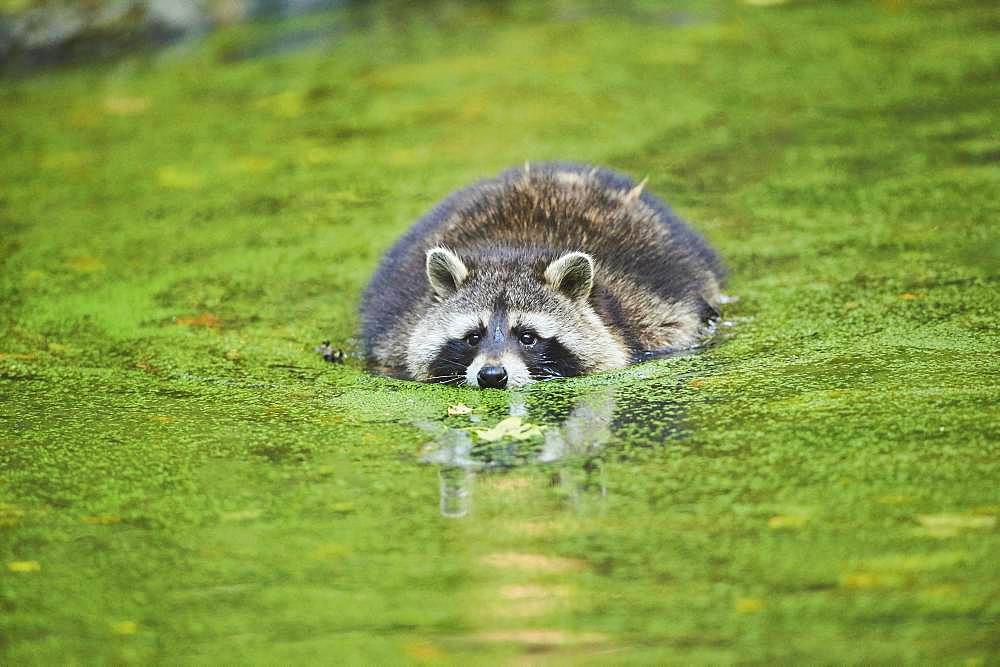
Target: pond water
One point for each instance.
(184, 480)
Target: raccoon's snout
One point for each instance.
(492, 377)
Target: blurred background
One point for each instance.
(47, 32)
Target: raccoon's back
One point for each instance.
(551, 209)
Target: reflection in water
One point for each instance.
(456, 491)
(575, 440)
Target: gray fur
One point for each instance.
(605, 267)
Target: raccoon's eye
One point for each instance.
(473, 339)
(528, 339)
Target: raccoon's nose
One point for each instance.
(493, 377)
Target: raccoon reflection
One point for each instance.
(546, 271)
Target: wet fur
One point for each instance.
(656, 282)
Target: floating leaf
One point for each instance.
(949, 525)
(537, 563)
(207, 320)
(24, 566)
(241, 515)
(288, 104)
(125, 106)
(101, 519)
(540, 637)
(68, 160)
(787, 521)
(319, 155)
(125, 627)
(85, 264)
(254, 165)
(868, 580)
(177, 179)
(748, 605)
(532, 591)
(507, 483)
(10, 515)
(894, 499)
(941, 591)
(459, 409)
(423, 651)
(20, 356)
(917, 562)
(512, 428)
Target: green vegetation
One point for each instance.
(182, 479)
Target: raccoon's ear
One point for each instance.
(572, 274)
(445, 271)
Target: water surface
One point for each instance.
(184, 480)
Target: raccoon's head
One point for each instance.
(507, 318)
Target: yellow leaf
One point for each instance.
(85, 264)
(34, 276)
(15, 6)
(868, 580)
(510, 428)
(288, 104)
(102, 520)
(949, 525)
(318, 155)
(536, 563)
(748, 605)
(241, 515)
(956, 521)
(177, 179)
(84, 117)
(894, 499)
(21, 356)
(207, 320)
(254, 165)
(532, 592)
(422, 651)
(459, 409)
(125, 627)
(507, 483)
(910, 563)
(65, 160)
(787, 521)
(24, 566)
(125, 106)
(541, 637)
(10, 515)
(940, 591)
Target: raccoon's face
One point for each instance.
(501, 325)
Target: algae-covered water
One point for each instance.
(184, 480)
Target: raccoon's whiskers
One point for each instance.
(445, 379)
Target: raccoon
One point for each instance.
(547, 271)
